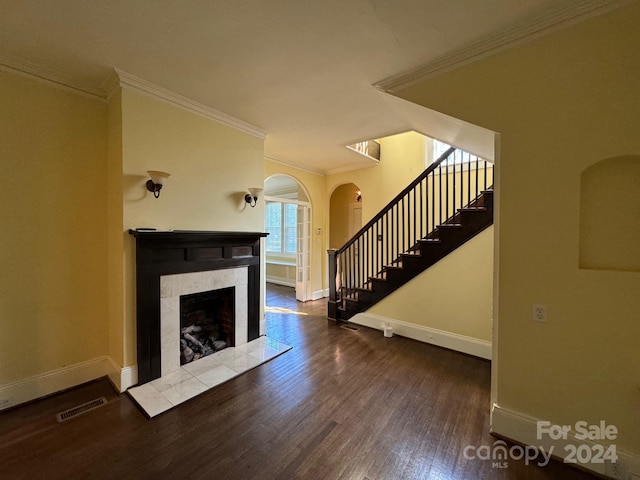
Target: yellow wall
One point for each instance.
(53, 263)
(315, 186)
(561, 104)
(116, 237)
(454, 295)
(402, 158)
(211, 167)
(76, 172)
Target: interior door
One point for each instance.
(355, 224)
(303, 258)
(355, 218)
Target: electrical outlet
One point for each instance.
(539, 313)
(615, 470)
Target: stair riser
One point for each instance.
(478, 221)
(451, 235)
(486, 200)
(380, 287)
(413, 263)
(395, 275)
(431, 251)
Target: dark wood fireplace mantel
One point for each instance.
(184, 251)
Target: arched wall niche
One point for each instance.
(610, 215)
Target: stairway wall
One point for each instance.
(402, 160)
(455, 295)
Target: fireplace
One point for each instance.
(207, 323)
(178, 265)
(193, 287)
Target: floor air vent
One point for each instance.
(80, 409)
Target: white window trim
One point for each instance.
(281, 254)
(269, 198)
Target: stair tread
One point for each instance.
(365, 289)
(473, 209)
(379, 278)
(393, 267)
(352, 298)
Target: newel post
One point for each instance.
(332, 304)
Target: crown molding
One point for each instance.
(118, 78)
(322, 173)
(293, 165)
(558, 17)
(49, 76)
(111, 84)
(350, 168)
(127, 80)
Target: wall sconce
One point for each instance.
(358, 196)
(252, 197)
(157, 180)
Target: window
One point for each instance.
(439, 148)
(459, 156)
(280, 222)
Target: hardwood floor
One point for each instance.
(342, 404)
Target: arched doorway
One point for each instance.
(345, 215)
(288, 222)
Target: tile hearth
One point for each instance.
(194, 378)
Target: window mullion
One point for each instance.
(283, 230)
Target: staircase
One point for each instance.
(444, 207)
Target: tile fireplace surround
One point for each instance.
(172, 287)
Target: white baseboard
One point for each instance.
(453, 341)
(318, 294)
(281, 281)
(48, 383)
(523, 429)
(291, 283)
(51, 382)
(122, 378)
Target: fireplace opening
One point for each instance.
(207, 323)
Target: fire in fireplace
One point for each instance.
(207, 323)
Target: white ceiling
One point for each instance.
(301, 70)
